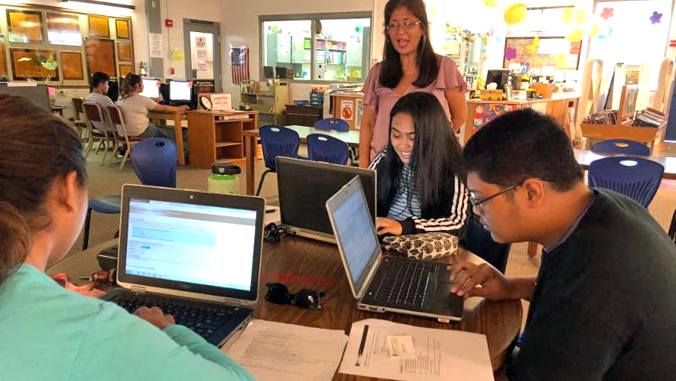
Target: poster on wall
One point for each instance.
(347, 109)
(24, 26)
(156, 50)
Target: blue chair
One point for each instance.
(478, 240)
(154, 162)
(634, 177)
(332, 124)
(326, 148)
(622, 147)
(276, 141)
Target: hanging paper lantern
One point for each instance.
(567, 16)
(575, 36)
(515, 14)
(579, 16)
(492, 3)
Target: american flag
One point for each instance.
(240, 64)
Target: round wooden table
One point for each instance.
(301, 263)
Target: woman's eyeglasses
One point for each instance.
(407, 25)
(279, 294)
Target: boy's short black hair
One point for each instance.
(519, 145)
(99, 78)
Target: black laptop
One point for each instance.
(194, 255)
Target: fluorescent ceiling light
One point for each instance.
(106, 3)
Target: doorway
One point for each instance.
(203, 51)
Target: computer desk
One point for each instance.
(302, 263)
(251, 146)
(177, 117)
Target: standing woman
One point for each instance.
(409, 65)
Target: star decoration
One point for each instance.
(607, 13)
(656, 18)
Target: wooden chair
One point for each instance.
(78, 121)
(123, 141)
(99, 130)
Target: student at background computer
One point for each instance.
(135, 108)
(48, 332)
(99, 92)
(421, 175)
(603, 304)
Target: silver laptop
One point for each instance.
(305, 186)
(386, 283)
(194, 255)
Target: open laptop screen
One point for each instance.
(200, 244)
(354, 232)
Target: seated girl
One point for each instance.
(51, 333)
(421, 176)
(135, 108)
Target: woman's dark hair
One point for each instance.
(522, 144)
(428, 64)
(436, 158)
(38, 148)
(128, 84)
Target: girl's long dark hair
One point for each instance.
(435, 160)
(38, 148)
(128, 84)
(428, 64)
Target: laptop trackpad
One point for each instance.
(442, 301)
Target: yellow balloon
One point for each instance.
(492, 3)
(567, 16)
(579, 16)
(515, 14)
(594, 29)
(575, 36)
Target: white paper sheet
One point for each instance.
(441, 354)
(277, 352)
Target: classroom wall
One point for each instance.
(240, 28)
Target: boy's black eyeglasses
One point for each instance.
(478, 202)
(279, 294)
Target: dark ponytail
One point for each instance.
(38, 148)
(128, 84)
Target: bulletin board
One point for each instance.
(524, 50)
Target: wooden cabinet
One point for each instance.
(303, 115)
(217, 136)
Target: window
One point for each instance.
(324, 47)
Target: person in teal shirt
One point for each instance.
(48, 332)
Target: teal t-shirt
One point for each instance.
(50, 333)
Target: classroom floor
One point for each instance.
(104, 180)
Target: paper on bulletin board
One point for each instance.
(156, 50)
(221, 102)
(347, 109)
(202, 66)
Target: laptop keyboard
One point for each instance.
(401, 283)
(203, 320)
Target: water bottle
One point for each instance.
(224, 179)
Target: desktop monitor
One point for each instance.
(269, 72)
(180, 91)
(113, 90)
(499, 76)
(151, 88)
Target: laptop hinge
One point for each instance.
(234, 302)
(138, 289)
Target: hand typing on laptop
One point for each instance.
(485, 280)
(388, 226)
(155, 316)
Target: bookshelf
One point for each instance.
(217, 135)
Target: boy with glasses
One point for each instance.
(603, 305)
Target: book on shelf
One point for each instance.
(649, 118)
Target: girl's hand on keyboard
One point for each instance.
(155, 316)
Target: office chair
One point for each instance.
(328, 149)
(154, 162)
(332, 124)
(478, 240)
(621, 146)
(277, 141)
(634, 177)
